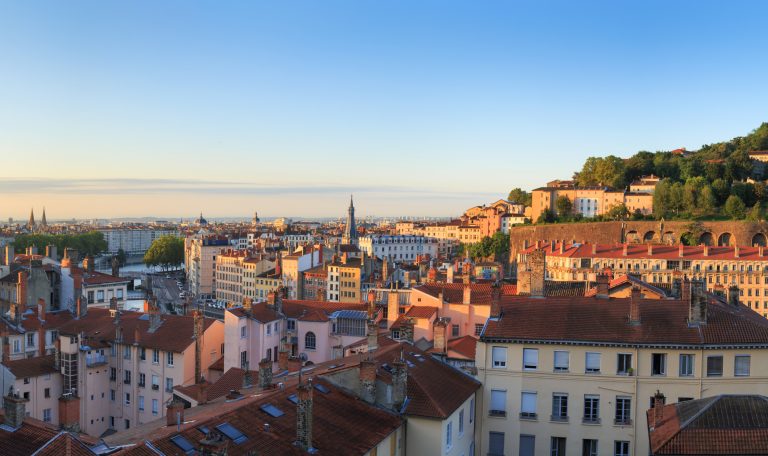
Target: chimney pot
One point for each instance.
(634, 306)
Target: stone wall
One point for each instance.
(656, 232)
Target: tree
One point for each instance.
(756, 214)
(602, 171)
(518, 195)
(735, 207)
(166, 252)
(122, 258)
(91, 243)
(692, 234)
(618, 212)
(564, 206)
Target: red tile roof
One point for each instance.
(304, 310)
(453, 293)
(640, 251)
(36, 437)
(594, 320)
(174, 333)
(421, 312)
(31, 367)
(462, 347)
(719, 425)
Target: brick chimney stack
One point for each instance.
(467, 297)
(15, 409)
(174, 413)
(304, 416)
(406, 330)
(706, 250)
(368, 380)
(265, 373)
(697, 314)
(247, 305)
(650, 249)
(538, 265)
(439, 330)
(736, 251)
(10, 254)
(602, 286)
(373, 337)
(496, 300)
(399, 382)
(89, 263)
(21, 289)
(634, 306)
(69, 412)
(681, 251)
(760, 251)
(624, 250)
(594, 249)
(658, 408)
(733, 295)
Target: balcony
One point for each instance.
(528, 416)
(95, 360)
(155, 387)
(499, 413)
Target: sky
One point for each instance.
(170, 108)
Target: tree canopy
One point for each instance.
(91, 243)
(166, 252)
(518, 195)
(495, 247)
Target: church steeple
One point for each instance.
(43, 221)
(31, 222)
(350, 230)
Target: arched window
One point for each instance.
(309, 341)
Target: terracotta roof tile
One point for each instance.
(31, 367)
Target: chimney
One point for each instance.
(89, 263)
(706, 250)
(304, 416)
(658, 408)
(271, 297)
(51, 252)
(526, 244)
(406, 330)
(537, 262)
(21, 289)
(174, 413)
(10, 254)
(6, 349)
(496, 300)
(15, 409)
(685, 290)
(247, 305)
(650, 249)
(81, 308)
(197, 333)
(113, 310)
(399, 382)
(248, 377)
(282, 359)
(373, 337)
(602, 286)
(562, 247)
(393, 307)
(449, 274)
(624, 250)
(154, 315)
(115, 263)
(57, 354)
(594, 249)
(697, 314)
(760, 251)
(634, 306)
(69, 412)
(265, 373)
(733, 295)
(467, 299)
(736, 251)
(371, 303)
(552, 246)
(368, 380)
(439, 328)
(681, 251)
(203, 397)
(281, 293)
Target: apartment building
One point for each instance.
(398, 248)
(718, 267)
(119, 368)
(588, 201)
(200, 254)
(293, 265)
(576, 375)
(133, 240)
(237, 275)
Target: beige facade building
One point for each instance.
(587, 201)
(571, 376)
(200, 254)
(237, 275)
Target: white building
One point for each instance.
(132, 240)
(398, 247)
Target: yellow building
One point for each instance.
(570, 376)
(587, 201)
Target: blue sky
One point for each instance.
(417, 107)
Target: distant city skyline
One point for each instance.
(145, 108)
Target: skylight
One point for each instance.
(181, 442)
(322, 388)
(271, 410)
(204, 429)
(232, 433)
(293, 398)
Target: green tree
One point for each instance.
(122, 258)
(692, 234)
(519, 195)
(166, 252)
(735, 207)
(618, 212)
(564, 206)
(602, 171)
(756, 213)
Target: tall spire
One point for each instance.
(350, 230)
(31, 223)
(43, 222)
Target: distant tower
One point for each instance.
(350, 231)
(43, 221)
(255, 220)
(31, 222)
(201, 221)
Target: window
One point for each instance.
(142, 353)
(621, 448)
(127, 377)
(113, 374)
(461, 422)
(112, 395)
(623, 410)
(127, 424)
(528, 405)
(499, 355)
(142, 380)
(530, 358)
(454, 330)
(478, 329)
(561, 361)
(559, 407)
(589, 447)
(557, 448)
(291, 325)
(47, 392)
(155, 382)
(243, 332)
(126, 352)
(156, 356)
(686, 365)
(623, 363)
(243, 359)
(449, 435)
(30, 339)
(527, 445)
(495, 444)
(591, 408)
(310, 341)
(169, 384)
(119, 293)
(100, 296)
(498, 406)
(47, 415)
(741, 366)
(169, 358)
(127, 398)
(592, 364)
(269, 329)
(658, 364)
(154, 406)
(714, 366)
(141, 403)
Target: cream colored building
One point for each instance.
(200, 262)
(237, 274)
(576, 375)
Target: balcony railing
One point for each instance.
(95, 360)
(155, 387)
